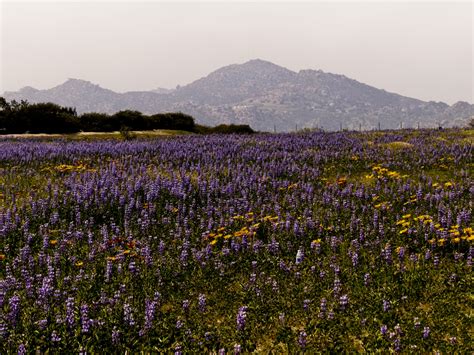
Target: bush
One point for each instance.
(225, 129)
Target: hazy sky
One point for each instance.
(423, 50)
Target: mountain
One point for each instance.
(265, 96)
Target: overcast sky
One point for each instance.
(423, 50)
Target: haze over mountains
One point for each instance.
(267, 97)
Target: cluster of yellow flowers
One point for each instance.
(290, 187)
(68, 168)
(456, 235)
(380, 172)
(439, 186)
(64, 168)
(411, 200)
(248, 230)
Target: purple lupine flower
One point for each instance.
(416, 323)
(150, 308)
(302, 339)
(85, 321)
(337, 286)
(202, 302)
(306, 304)
(322, 308)
(436, 261)
(21, 349)
(241, 317)
(426, 332)
(401, 253)
(161, 247)
(108, 271)
(43, 323)
(397, 345)
(237, 349)
(355, 259)
(115, 336)
(132, 267)
(386, 305)
(366, 279)
(331, 314)
(273, 246)
(428, 255)
(283, 266)
(179, 324)
(186, 304)
(178, 349)
(383, 329)
(344, 301)
(70, 321)
(3, 330)
(14, 314)
(128, 315)
(55, 337)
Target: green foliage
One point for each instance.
(225, 129)
(21, 117)
(126, 134)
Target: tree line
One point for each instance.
(21, 117)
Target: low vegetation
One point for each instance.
(23, 117)
(319, 242)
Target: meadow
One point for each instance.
(317, 242)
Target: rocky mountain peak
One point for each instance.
(265, 96)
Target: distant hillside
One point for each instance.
(264, 95)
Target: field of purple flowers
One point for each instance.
(340, 242)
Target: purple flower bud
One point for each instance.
(186, 304)
(302, 339)
(85, 321)
(344, 301)
(55, 337)
(306, 304)
(366, 279)
(241, 318)
(14, 314)
(202, 303)
(21, 350)
(115, 336)
(426, 332)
